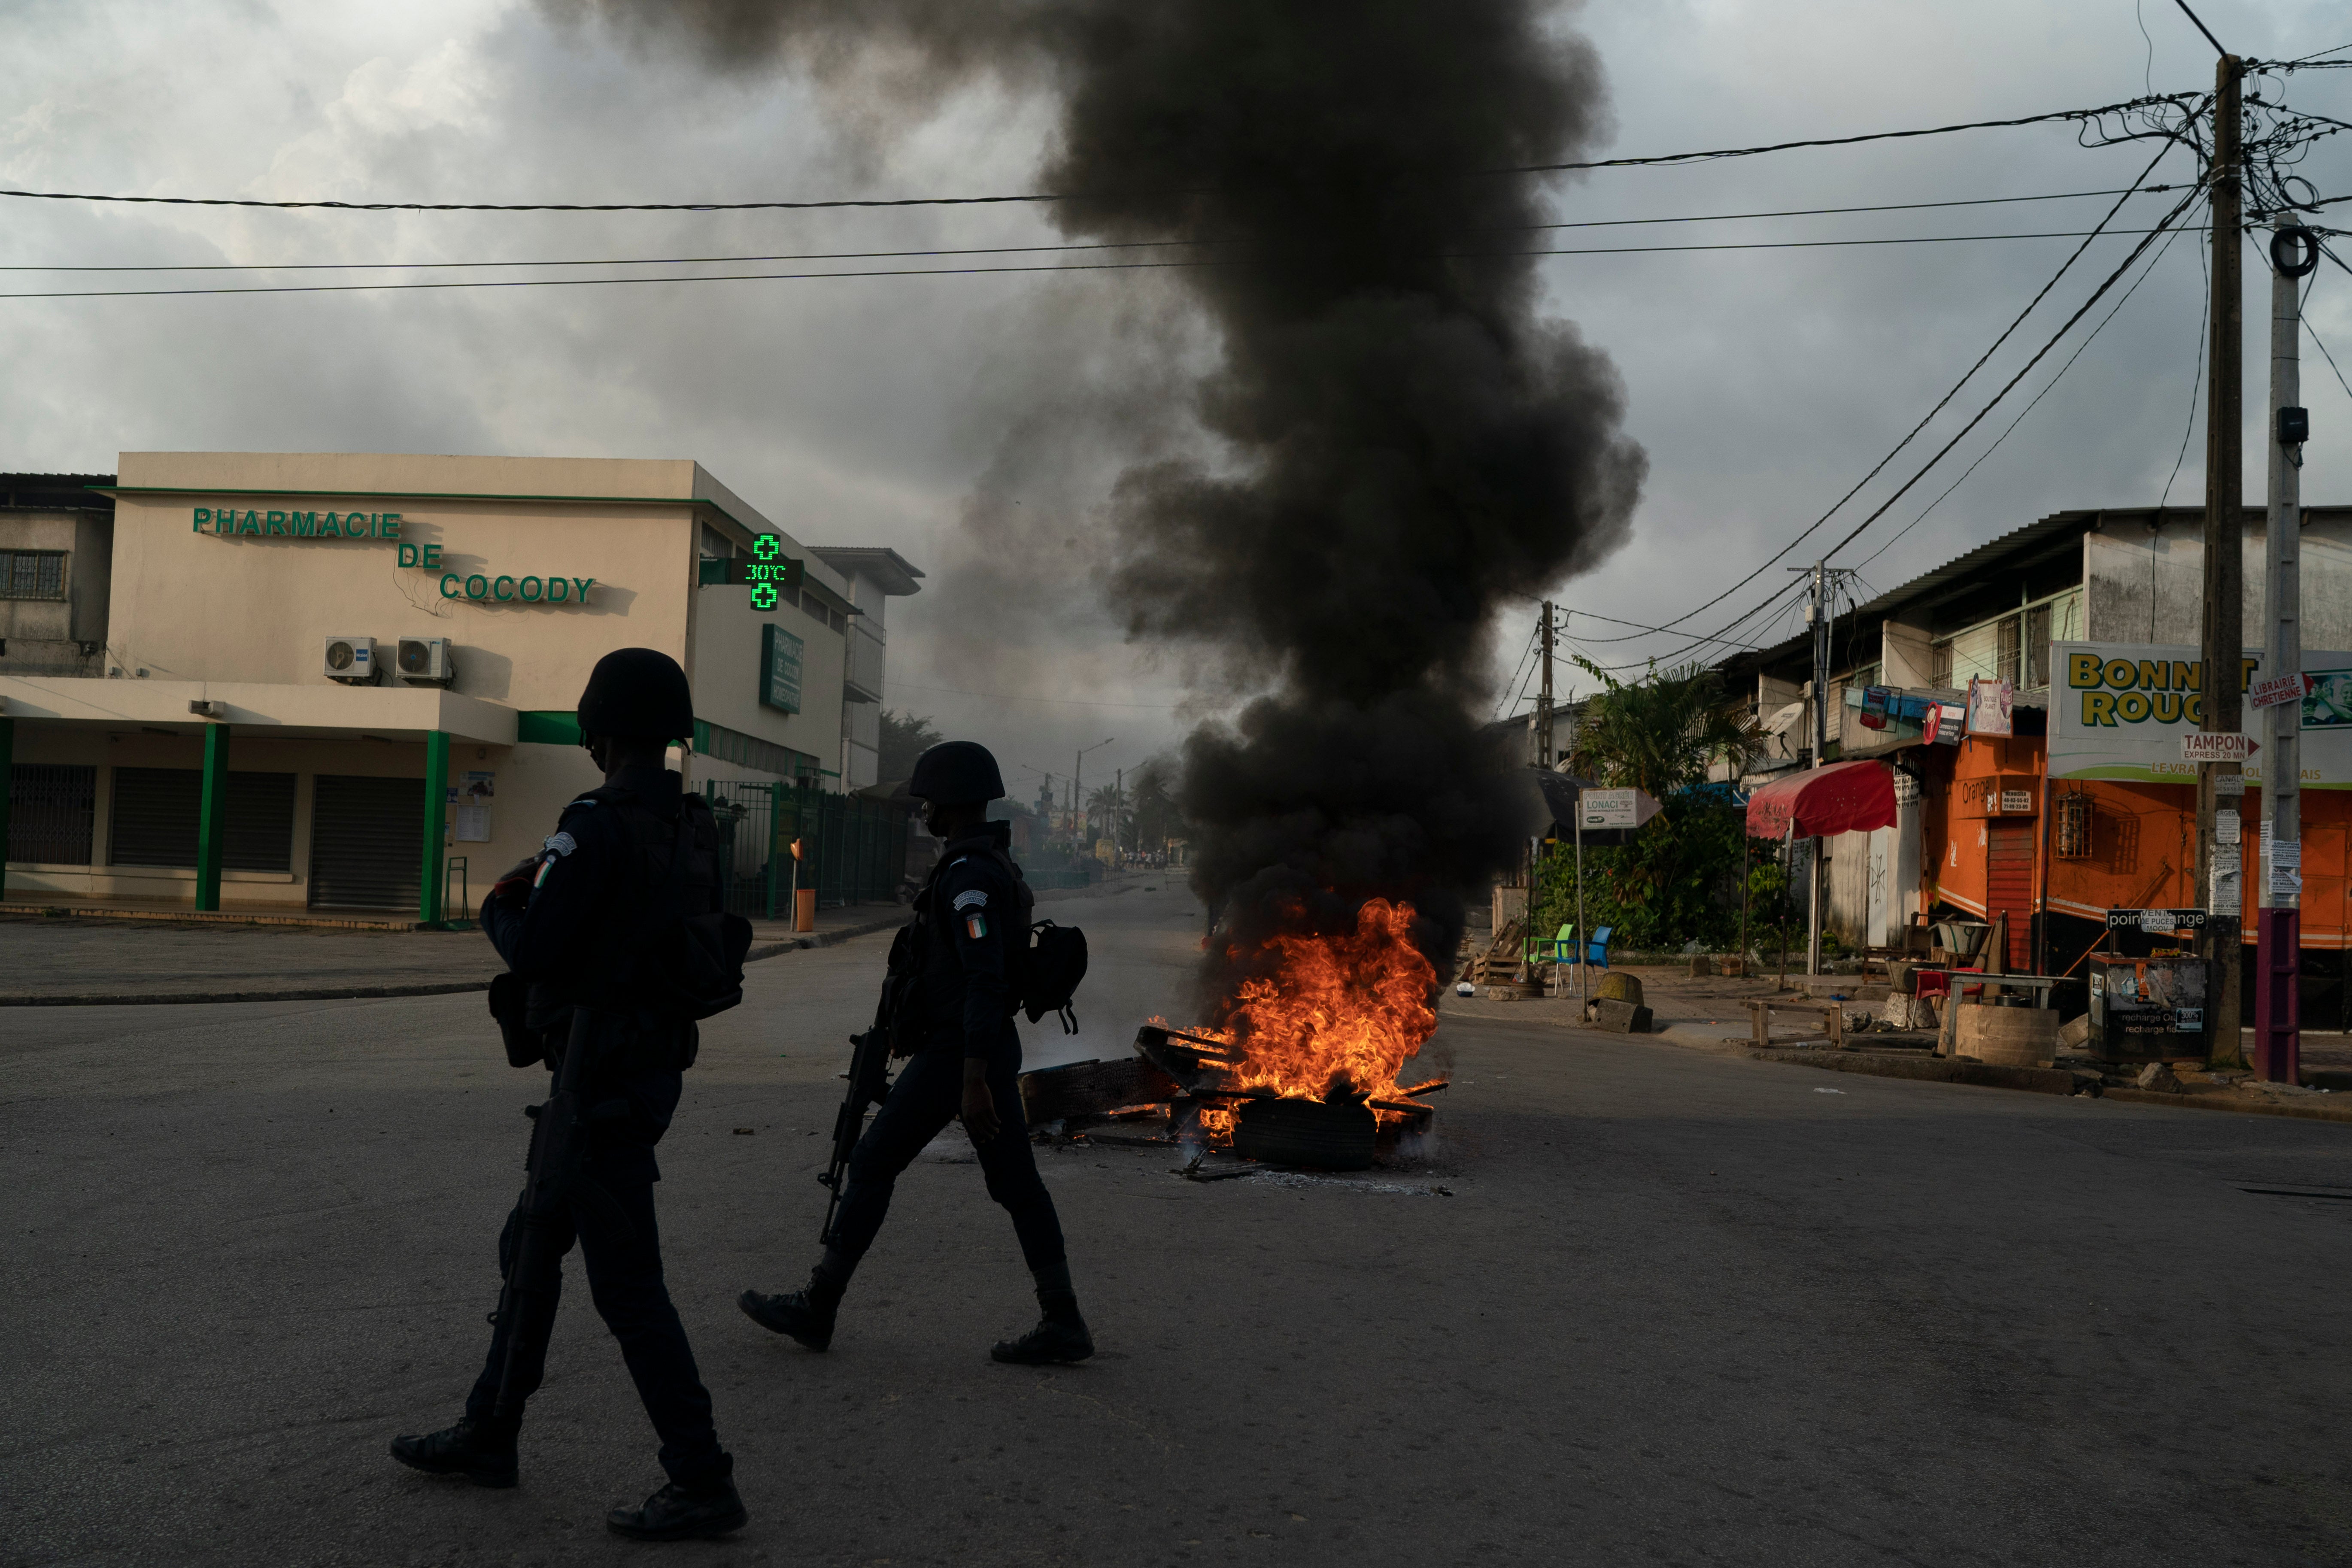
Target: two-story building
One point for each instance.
(2094, 618)
(278, 681)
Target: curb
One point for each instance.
(185, 998)
(1934, 1069)
(2042, 1080)
(351, 993)
(821, 938)
(211, 918)
(2244, 1108)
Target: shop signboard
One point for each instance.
(2125, 711)
(2273, 690)
(780, 669)
(1605, 808)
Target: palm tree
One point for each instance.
(1663, 732)
(1107, 812)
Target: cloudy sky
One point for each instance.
(892, 410)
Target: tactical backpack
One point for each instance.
(691, 966)
(1054, 961)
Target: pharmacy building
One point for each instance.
(343, 686)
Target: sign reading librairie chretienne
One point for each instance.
(2125, 711)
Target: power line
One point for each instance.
(2048, 387)
(2201, 27)
(965, 272)
(2196, 385)
(1613, 621)
(2097, 295)
(1941, 403)
(2078, 115)
(1021, 250)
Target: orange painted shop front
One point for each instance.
(1990, 843)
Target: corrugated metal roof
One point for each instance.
(1986, 558)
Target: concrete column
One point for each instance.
(7, 786)
(436, 809)
(212, 817)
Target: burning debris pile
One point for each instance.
(1302, 1071)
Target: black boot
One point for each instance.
(482, 1451)
(1061, 1336)
(805, 1315)
(681, 1513)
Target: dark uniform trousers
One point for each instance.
(625, 1280)
(923, 1098)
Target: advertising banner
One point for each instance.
(2121, 710)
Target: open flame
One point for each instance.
(1338, 1015)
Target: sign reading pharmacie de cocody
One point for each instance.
(2119, 711)
(480, 587)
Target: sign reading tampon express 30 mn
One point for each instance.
(2125, 711)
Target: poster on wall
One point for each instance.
(2119, 710)
(1988, 708)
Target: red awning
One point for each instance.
(1845, 797)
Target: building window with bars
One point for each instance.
(32, 574)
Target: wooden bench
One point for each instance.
(1832, 1015)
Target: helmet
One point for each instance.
(956, 772)
(636, 694)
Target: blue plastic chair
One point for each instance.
(1597, 951)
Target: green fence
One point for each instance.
(852, 850)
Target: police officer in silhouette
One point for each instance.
(571, 921)
(971, 927)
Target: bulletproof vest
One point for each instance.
(941, 988)
(659, 895)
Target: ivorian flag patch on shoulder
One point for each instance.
(975, 925)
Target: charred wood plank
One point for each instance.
(1093, 1088)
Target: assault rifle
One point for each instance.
(553, 1189)
(869, 1080)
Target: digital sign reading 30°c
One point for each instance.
(769, 571)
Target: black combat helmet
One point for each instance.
(636, 694)
(956, 772)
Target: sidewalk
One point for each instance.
(68, 960)
(1711, 1013)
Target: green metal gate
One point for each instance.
(852, 850)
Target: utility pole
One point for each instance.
(1077, 792)
(2223, 616)
(1817, 614)
(2278, 927)
(1543, 702)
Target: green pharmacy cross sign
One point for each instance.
(768, 571)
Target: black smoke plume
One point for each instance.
(1394, 441)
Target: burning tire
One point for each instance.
(1309, 1132)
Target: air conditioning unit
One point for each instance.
(426, 661)
(352, 660)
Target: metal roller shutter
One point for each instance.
(155, 817)
(156, 811)
(51, 807)
(366, 843)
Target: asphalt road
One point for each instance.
(1678, 1308)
